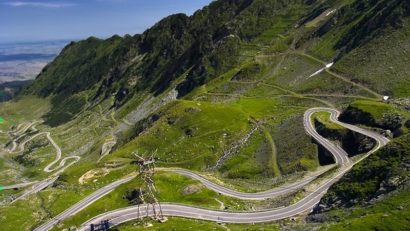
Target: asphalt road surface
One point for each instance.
(304, 205)
(84, 203)
(278, 191)
(38, 186)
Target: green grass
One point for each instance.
(375, 108)
(22, 110)
(325, 83)
(111, 201)
(295, 72)
(386, 69)
(170, 188)
(324, 46)
(212, 128)
(245, 71)
(53, 200)
(370, 60)
(376, 113)
(247, 163)
(258, 107)
(316, 22)
(255, 160)
(191, 134)
(58, 200)
(365, 180)
(176, 224)
(18, 216)
(390, 213)
(65, 110)
(279, 75)
(171, 224)
(38, 208)
(269, 85)
(295, 152)
(324, 118)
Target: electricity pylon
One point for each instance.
(147, 171)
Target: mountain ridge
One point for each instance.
(231, 82)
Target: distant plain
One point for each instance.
(22, 61)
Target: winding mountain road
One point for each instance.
(84, 203)
(278, 191)
(18, 132)
(38, 186)
(22, 145)
(306, 204)
(340, 156)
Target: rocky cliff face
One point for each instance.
(390, 121)
(232, 63)
(384, 172)
(191, 50)
(354, 143)
(199, 47)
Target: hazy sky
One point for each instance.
(30, 20)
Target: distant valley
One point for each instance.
(22, 62)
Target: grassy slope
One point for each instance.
(187, 224)
(74, 139)
(381, 65)
(323, 118)
(391, 213)
(190, 134)
(26, 108)
(170, 188)
(366, 178)
(207, 124)
(376, 109)
(366, 30)
(277, 94)
(382, 173)
(14, 113)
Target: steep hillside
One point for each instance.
(199, 44)
(368, 39)
(222, 93)
(374, 195)
(208, 44)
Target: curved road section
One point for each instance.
(84, 203)
(306, 204)
(38, 186)
(340, 155)
(278, 191)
